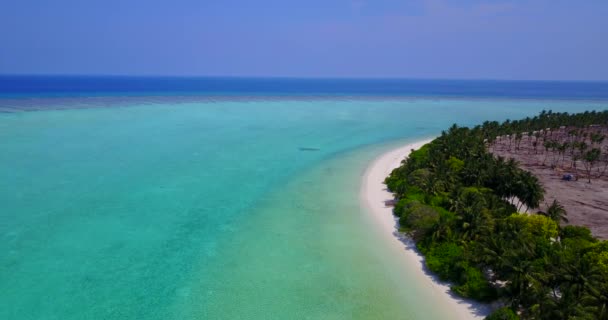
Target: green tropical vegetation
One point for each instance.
(460, 204)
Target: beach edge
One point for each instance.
(373, 197)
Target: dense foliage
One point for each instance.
(460, 203)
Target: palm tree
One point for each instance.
(589, 159)
(521, 276)
(522, 185)
(578, 278)
(442, 231)
(556, 212)
(561, 149)
(535, 144)
(596, 302)
(518, 137)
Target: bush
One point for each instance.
(579, 232)
(418, 219)
(437, 201)
(420, 178)
(503, 313)
(456, 165)
(538, 226)
(400, 207)
(419, 158)
(444, 260)
(475, 286)
(414, 193)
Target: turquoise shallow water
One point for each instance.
(210, 210)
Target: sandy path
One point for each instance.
(373, 197)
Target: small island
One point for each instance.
(486, 218)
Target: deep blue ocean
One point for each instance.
(64, 86)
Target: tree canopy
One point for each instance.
(460, 204)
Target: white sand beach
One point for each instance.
(373, 197)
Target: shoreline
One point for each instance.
(373, 196)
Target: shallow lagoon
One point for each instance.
(209, 210)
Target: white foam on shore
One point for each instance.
(374, 194)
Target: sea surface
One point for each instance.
(219, 198)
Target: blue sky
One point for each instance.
(463, 39)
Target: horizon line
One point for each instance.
(287, 77)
